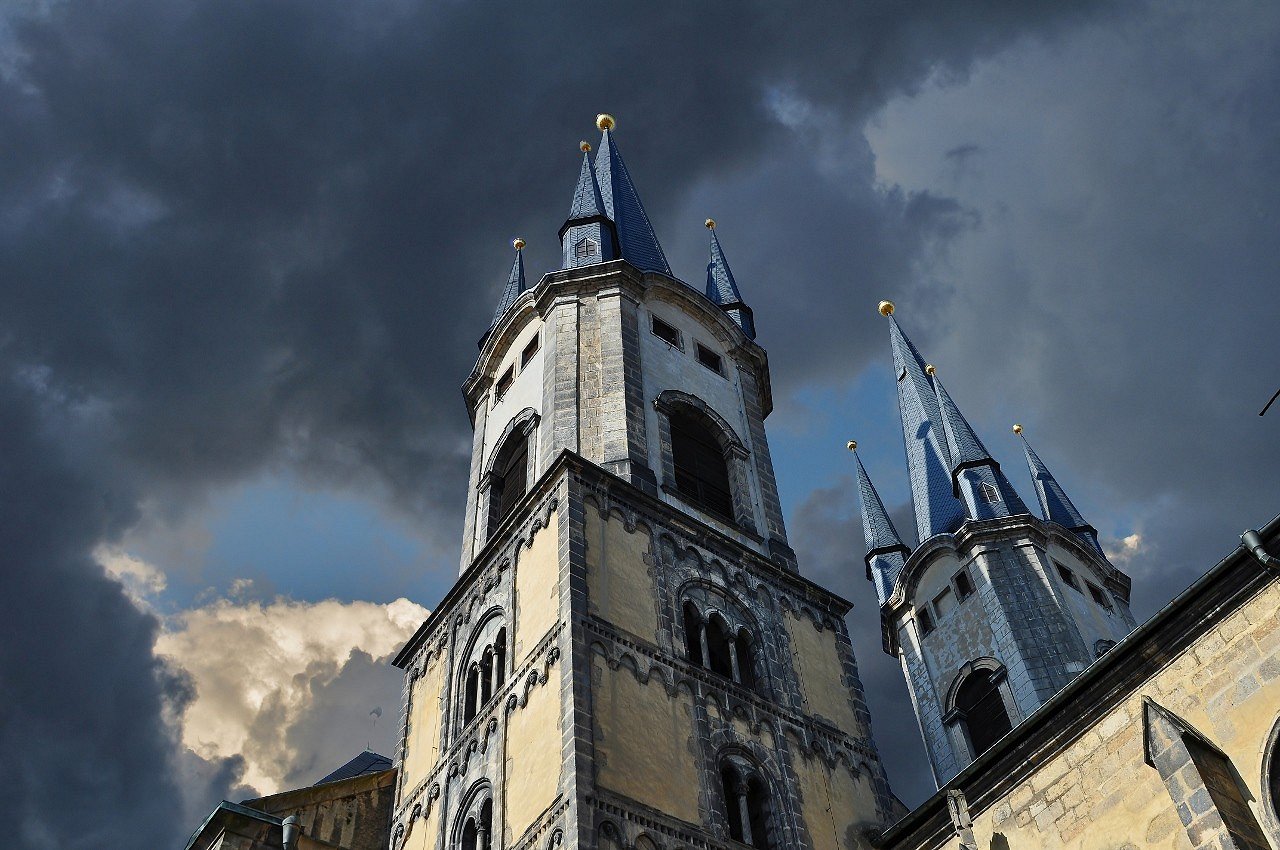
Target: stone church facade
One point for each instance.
(631, 658)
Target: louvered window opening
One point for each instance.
(984, 712)
(702, 474)
(510, 483)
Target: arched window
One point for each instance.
(720, 659)
(701, 471)
(500, 658)
(477, 831)
(485, 664)
(693, 634)
(472, 694)
(726, 650)
(746, 659)
(747, 805)
(510, 479)
(979, 702)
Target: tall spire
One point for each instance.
(975, 475)
(937, 509)
(722, 289)
(1055, 506)
(637, 242)
(515, 285)
(886, 553)
(587, 235)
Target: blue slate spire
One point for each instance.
(937, 509)
(637, 242)
(975, 475)
(722, 289)
(1055, 506)
(886, 553)
(515, 285)
(587, 235)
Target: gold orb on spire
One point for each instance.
(929, 370)
(1017, 429)
(886, 308)
(851, 445)
(710, 223)
(604, 121)
(517, 243)
(585, 147)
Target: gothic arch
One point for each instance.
(675, 403)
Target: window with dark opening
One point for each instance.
(1099, 596)
(746, 660)
(665, 332)
(477, 833)
(693, 633)
(586, 248)
(990, 493)
(964, 584)
(984, 713)
(504, 383)
(710, 359)
(924, 621)
(746, 800)
(1068, 577)
(529, 350)
(510, 480)
(720, 656)
(472, 699)
(702, 474)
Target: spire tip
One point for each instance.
(930, 369)
(710, 224)
(517, 243)
(584, 146)
(852, 445)
(605, 122)
(1017, 429)
(886, 308)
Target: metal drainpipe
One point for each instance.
(1253, 543)
(289, 832)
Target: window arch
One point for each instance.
(509, 479)
(748, 803)
(715, 644)
(476, 822)
(981, 709)
(484, 667)
(704, 464)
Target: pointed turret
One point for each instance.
(975, 475)
(587, 235)
(636, 240)
(886, 553)
(1055, 506)
(722, 289)
(515, 285)
(937, 510)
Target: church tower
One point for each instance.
(630, 657)
(995, 610)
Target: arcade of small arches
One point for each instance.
(725, 649)
(485, 667)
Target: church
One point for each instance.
(631, 657)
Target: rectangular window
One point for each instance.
(529, 350)
(666, 333)
(710, 359)
(924, 622)
(1068, 577)
(504, 383)
(944, 602)
(1099, 596)
(964, 584)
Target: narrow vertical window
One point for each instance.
(746, 660)
(510, 479)
(473, 692)
(702, 474)
(693, 634)
(500, 657)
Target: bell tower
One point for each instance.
(995, 610)
(630, 656)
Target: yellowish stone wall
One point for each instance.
(533, 757)
(620, 585)
(422, 749)
(837, 806)
(643, 741)
(422, 834)
(1099, 794)
(537, 589)
(821, 674)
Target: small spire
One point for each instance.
(587, 236)
(975, 475)
(722, 289)
(886, 553)
(515, 285)
(1055, 506)
(636, 240)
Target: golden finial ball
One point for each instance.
(710, 223)
(886, 308)
(517, 243)
(1017, 429)
(929, 370)
(604, 121)
(585, 147)
(851, 445)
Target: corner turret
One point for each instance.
(722, 289)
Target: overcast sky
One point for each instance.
(246, 249)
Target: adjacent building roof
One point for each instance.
(366, 762)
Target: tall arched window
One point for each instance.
(693, 635)
(985, 718)
(746, 660)
(720, 658)
(477, 831)
(747, 804)
(510, 479)
(713, 643)
(701, 471)
(485, 666)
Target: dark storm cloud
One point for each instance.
(242, 236)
